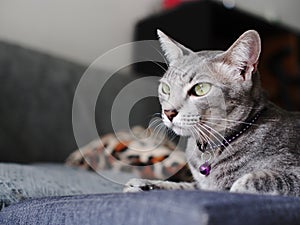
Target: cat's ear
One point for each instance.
(244, 53)
(172, 49)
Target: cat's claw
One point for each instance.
(138, 185)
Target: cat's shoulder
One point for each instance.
(277, 120)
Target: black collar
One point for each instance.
(227, 140)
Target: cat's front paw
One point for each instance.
(138, 185)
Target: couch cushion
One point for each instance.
(20, 182)
(156, 207)
(36, 98)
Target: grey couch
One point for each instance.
(36, 99)
(35, 127)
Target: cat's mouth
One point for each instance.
(197, 129)
(185, 125)
(182, 130)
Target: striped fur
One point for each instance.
(263, 160)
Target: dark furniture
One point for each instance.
(208, 25)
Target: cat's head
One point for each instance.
(201, 86)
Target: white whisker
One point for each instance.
(156, 63)
(205, 136)
(208, 131)
(221, 138)
(154, 121)
(219, 125)
(220, 135)
(158, 51)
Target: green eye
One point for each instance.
(165, 88)
(200, 89)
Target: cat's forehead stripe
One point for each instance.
(188, 74)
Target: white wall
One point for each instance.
(82, 30)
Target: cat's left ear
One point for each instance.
(244, 53)
(172, 49)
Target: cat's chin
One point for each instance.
(181, 131)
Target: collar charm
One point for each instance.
(205, 169)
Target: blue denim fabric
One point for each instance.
(21, 182)
(156, 207)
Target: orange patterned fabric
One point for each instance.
(147, 157)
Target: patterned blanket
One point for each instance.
(149, 155)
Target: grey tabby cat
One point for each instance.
(238, 140)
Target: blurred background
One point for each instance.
(45, 47)
(82, 31)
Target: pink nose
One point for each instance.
(170, 114)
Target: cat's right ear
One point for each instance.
(172, 49)
(244, 53)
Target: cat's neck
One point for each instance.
(225, 141)
(240, 117)
(245, 108)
